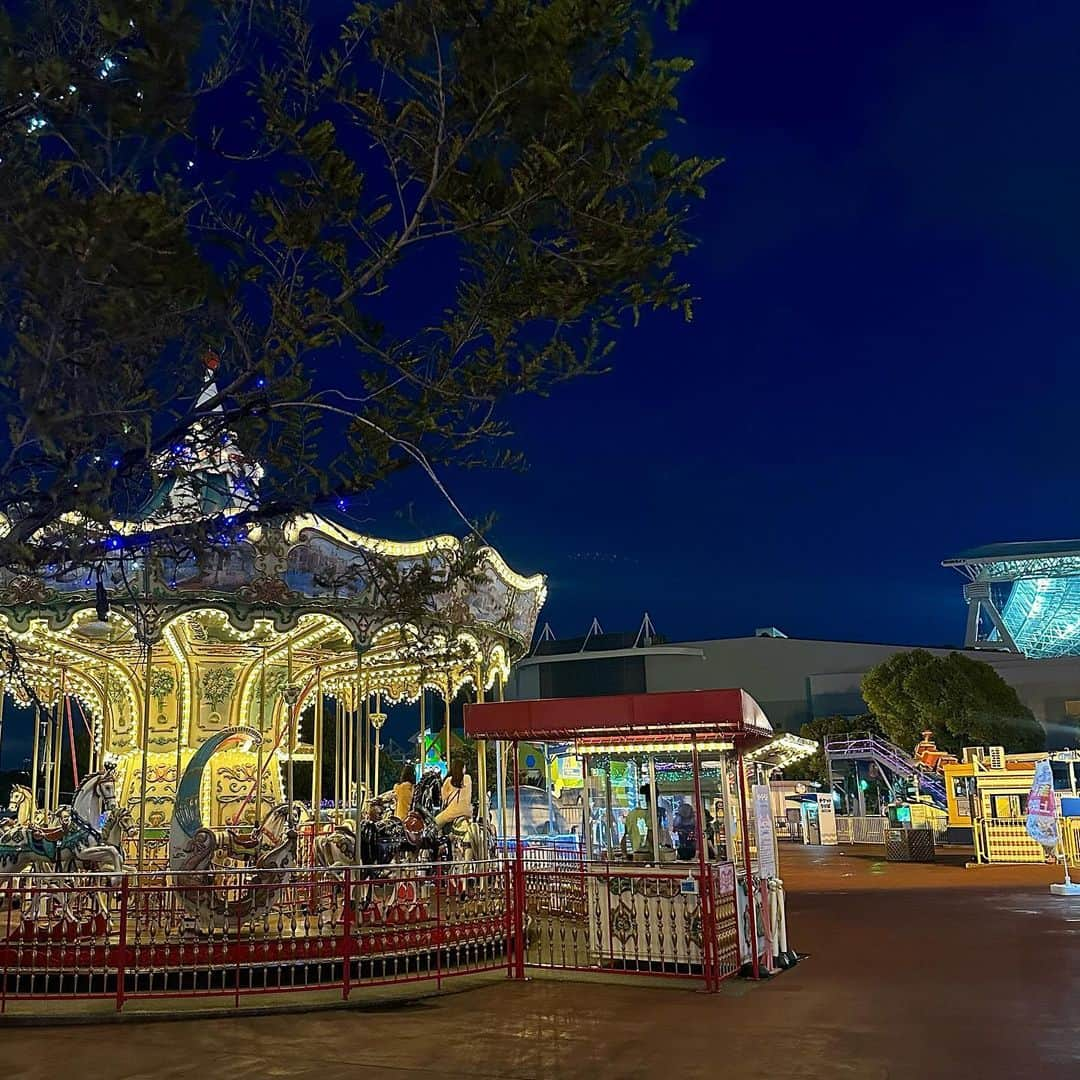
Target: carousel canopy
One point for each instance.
(234, 620)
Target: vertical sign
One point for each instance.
(826, 810)
(766, 837)
(1042, 823)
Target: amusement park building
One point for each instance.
(793, 679)
(1023, 597)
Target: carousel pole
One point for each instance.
(262, 740)
(366, 737)
(71, 746)
(350, 729)
(358, 760)
(64, 713)
(500, 764)
(58, 740)
(145, 751)
(337, 755)
(377, 721)
(344, 714)
(106, 714)
(483, 802)
(291, 699)
(446, 723)
(341, 718)
(316, 776)
(46, 756)
(37, 753)
(179, 736)
(3, 698)
(422, 733)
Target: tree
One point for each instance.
(814, 767)
(262, 187)
(960, 700)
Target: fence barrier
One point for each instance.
(1006, 840)
(616, 918)
(240, 933)
(861, 830)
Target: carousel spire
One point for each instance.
(204, 473)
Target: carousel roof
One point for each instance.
(424, 611)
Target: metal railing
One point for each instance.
(861, 830)
(243, 933)
(237, 933)
(618, 918)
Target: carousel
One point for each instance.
(232, 694)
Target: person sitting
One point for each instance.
(456, 795)
(403, 792)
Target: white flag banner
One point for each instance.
(1042, 822)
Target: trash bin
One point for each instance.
(909, 845)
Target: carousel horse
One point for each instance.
(263, 837)
(20, 806)
(471, 840)
(385, 838)
(338, 848)
(72, 898)
(78, 845)
(270, 849)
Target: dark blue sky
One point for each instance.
(882, 367)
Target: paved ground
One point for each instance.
(913, 971)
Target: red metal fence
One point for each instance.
(328, 929)
(616, 918)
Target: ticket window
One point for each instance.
(1006, 806)
(962, 790)
(632, 819)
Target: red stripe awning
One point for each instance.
(686, 714)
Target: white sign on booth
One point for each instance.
(826, 812)
(766, 840)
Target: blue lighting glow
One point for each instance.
(1043, 616)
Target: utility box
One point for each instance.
(909, 845)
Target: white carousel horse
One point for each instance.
(337, 848)
(84, 845)
(470, 840)
(66, 898)
(75, 845)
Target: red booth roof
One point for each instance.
(684, 715)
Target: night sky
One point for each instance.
(882, 367)
(881, 370)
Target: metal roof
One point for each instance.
(1019, 549)
(685, 714)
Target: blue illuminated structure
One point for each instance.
(1023, 597)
